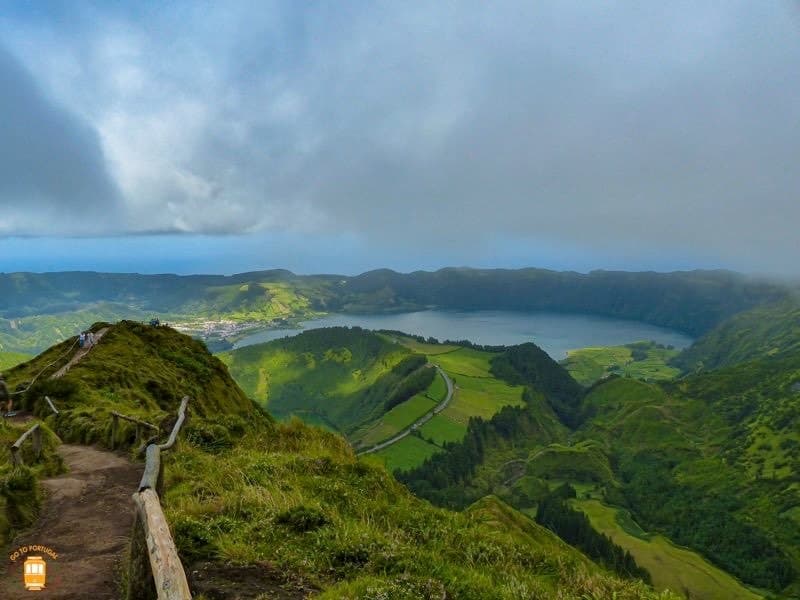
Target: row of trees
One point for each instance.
(574, 527)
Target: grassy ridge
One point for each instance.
(292, 502)
(762, 332)
(342, 375)
(37, 310)
(346, 378)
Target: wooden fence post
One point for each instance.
(37, 443)
(114, 426)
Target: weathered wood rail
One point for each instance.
(155, 567)
(52, 406)
(140, 426)
(35, 435)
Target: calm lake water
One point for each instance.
(555, 333)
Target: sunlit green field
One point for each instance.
(407, 453)
(479, 397)
(464, 361)
(441, 429)
(640, 360)
(401, 416)
(12, 359)
(670, 566)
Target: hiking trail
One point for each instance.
(86, 518)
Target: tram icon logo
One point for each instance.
(35, 569)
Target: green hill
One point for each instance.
(771, 330)
(348, 379)
(292, 501)
(709, 461)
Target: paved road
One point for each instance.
(422, 420)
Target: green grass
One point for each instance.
(640, 360)
(12, 359)
(420, 347)
(401, 416)
(465, 361)
(441, 430)
(479, 397)
(335, 373)
(670, 566)
(407, 453)
(438, 389)
(242, 489)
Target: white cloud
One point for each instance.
(668, 126)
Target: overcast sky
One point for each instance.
(341, 136)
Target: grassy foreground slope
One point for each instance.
(290, 504)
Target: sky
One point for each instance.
(343, 136)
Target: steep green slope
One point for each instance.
(291, 504)
(371, 386)
(710, 461)
(345, 377)
(764, 331)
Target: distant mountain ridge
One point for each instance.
(690, 301)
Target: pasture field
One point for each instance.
(479, 397)
(671, 567)
(12, 359)
(409, 452)
(640, 360)
(438, 389)
(441, 430)
(465, 361)
(397, 419)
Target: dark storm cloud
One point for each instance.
(634, 128)
(52, 172)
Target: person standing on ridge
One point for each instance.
(5, 397)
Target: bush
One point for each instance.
(301, 519)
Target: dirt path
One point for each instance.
(86, 518)
(76, 358)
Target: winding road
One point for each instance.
(421, 421)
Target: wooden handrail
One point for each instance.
(35, 433)
(165, 564)
(51, 405)
(168, 574)
(115, 417)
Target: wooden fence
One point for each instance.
(155, 568)
(140, 427)
(35, 435)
